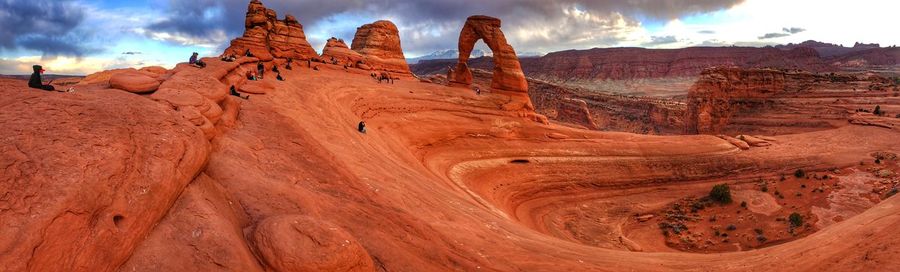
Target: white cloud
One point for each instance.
(214, 40)
(69, 65)
(826, 20)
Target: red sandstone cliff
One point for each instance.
(735, 100)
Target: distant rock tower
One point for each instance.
(379, 42)
(267, 37)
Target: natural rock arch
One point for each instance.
(507, 70)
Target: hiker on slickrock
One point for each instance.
(235, 93)
(36, 82)
(196, 62)
(361, 127)
(261, 69)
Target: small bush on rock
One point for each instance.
(721, 193)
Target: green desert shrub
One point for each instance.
(796, 219)
(720, 193)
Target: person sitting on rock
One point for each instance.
(235, 93)
(278, 77)
(288, 65)
(228, 58)
(261, 68)
(251, 75)
(275, 69)
(361, 127)
(477, 91)
(248, 54)
(36, 82)
(195, 61)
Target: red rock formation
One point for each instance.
(134, 82)
(268, 38)
(379, 42)
(608, 111)
(575, 111)
(635, 63)
(507, 73)
(710, 101)
(87, 176)
(456, 174)
(766, 101)
(300, 243)
(336, 49)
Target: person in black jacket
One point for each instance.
(235, 93)
(361, 127)
(36, 82)
(261, 68)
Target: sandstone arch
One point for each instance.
(507, 70)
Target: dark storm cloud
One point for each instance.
(773, 35)
(660, 40)
(42, 25)
(431, 25)
(793, 30)
(55, 45)
(785, 31)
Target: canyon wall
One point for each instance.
(735, 100)
(636, 63)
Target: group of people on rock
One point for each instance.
(36, 81)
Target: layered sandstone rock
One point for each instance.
(267, 37)
(770, 102)
(87, 176)
(134, 82)
(623, 63)
(379, 42)
(299, 243)
(608, 111)
(711, 99)
(507, 73)
(103, 79)
(576, 111)
(738, 143)
(335, 49)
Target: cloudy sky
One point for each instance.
(84, 36)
